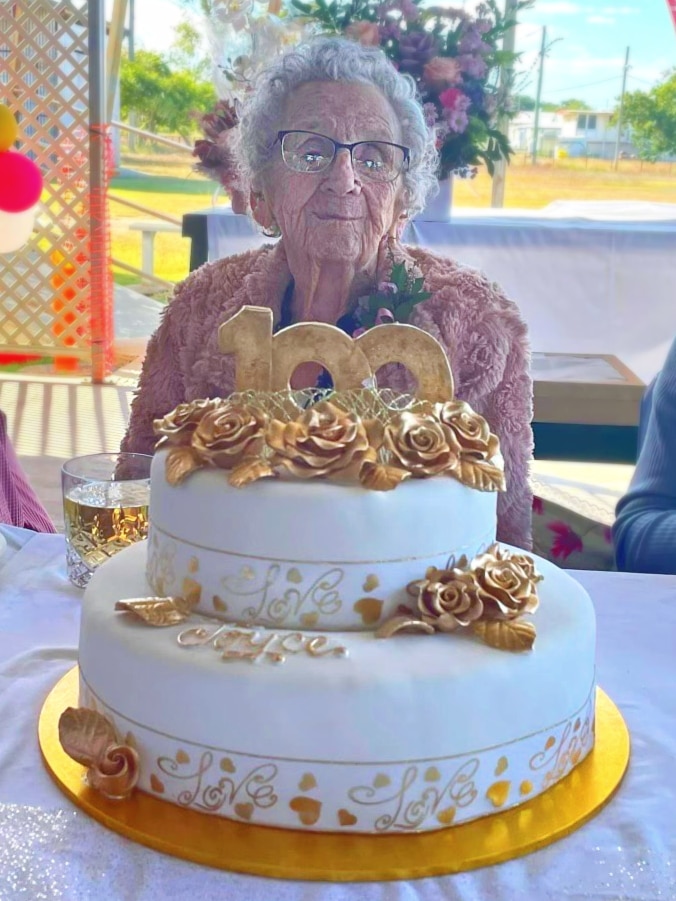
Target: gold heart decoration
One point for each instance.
(432, 774)
(308, 809)
(294, 576)
(526, 787)
(551, 741)
(498, 793)
(309, 620)
(227, 765)
(244, 810)
(446, 816)
(156, 785)
(369, 609)
(381, 780)
(182, 757)
(501, 767)
(371, 582)
(345, 818)
(307, 783)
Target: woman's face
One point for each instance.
(334, 216)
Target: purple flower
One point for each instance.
(387, 288)
(471, 41)
(474, 66)
(416, 49)
(409, 10)
(457, 121)
(476, 95)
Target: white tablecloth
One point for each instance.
(49, 849)
(588, 278)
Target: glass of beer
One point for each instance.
(105, 507)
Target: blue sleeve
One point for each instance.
(645, 529)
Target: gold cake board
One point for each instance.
(288, 854)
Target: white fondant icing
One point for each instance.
(388, 734)
(301, 554)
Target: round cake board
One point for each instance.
(287, 854)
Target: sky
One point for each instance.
(586, 40)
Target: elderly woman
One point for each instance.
(335, 147)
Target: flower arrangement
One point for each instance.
(454, 59)
(488, 596)
(330, 440)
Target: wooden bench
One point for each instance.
(149, 228)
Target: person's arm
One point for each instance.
(645, 529)
(509, 410)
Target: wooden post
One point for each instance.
(508, 43)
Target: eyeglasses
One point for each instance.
(307, 151)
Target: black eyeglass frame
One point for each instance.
(338, 145)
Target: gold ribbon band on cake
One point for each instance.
(286, 854)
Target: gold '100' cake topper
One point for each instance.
(266, 362)
(353, 432)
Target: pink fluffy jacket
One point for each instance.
(481, 330)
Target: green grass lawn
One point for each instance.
(170, 185)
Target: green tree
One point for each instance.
(162, 97)
(652, 118)
(186, 51)
(573, 103)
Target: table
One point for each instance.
(594, 278)
(51, 849)
(586, 407)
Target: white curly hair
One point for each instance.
(337, 59)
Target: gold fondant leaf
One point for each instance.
(480, 474)
(403, 624)
(506, 635)
(182, 757)
(250, 470)
(446, 816)
(307, 783)
(180, 462)
(381, 780)
(244, 811)
(369, 609)
(432, 774)
(501, 766)
(308, 809)
(526, 787)
(85, 734)
(551, 741)
(371, 582)
(294, 576)
(345, 818)
(227, 765)
(498, 793)
(157, 611)
(380, 477)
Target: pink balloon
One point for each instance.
(20, 182)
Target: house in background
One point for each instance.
(574, 133)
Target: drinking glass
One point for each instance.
(105, 507)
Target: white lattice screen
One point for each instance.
(47, 306)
